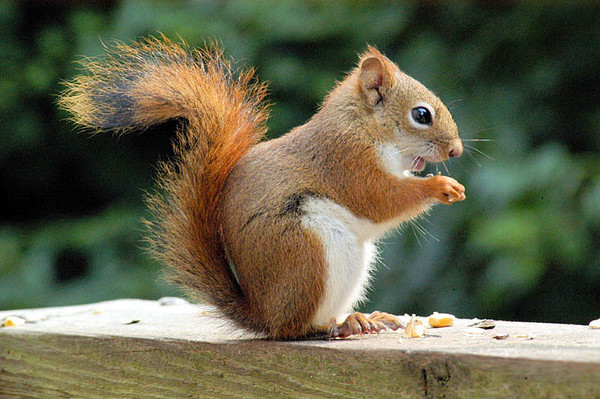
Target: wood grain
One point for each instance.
(52, 364)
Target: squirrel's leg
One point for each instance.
(282, 273)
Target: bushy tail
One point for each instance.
(149, 82)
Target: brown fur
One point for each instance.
(159, 80)
(228, 215)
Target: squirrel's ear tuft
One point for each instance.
(372, 51)
(374, 78)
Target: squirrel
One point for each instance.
(279, 235)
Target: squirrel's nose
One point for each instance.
(456, 150)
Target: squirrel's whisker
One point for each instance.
(446, 167)
(479, 151)
(474, 158)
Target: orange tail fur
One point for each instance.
(133, 87)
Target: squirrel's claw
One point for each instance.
(358, 323)
(446, 189)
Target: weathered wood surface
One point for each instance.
(92, 351)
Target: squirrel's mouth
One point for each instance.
(418, 164)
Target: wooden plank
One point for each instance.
(183, 351)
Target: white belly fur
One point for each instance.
(350, 253)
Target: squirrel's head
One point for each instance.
(409, 117)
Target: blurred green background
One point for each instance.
(523, 246)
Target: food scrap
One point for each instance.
(484, 324)
(525, 336)
(438, 320)
(595, 324)
(415, 327)
(13, 321)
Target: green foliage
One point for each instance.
(522, 246)
(79, 260)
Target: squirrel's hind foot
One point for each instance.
(358, 323)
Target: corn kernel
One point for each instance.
(13, 321)
(437, 320)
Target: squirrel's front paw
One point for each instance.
(446, 189)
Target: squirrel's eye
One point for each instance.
(422, 116)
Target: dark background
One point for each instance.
(523, 246)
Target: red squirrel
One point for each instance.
(278, 235)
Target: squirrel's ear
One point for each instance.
(375, 80)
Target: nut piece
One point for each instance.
(437, 320)
(484, 324)
(595, 324)
(415, 327)
(13, 321)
